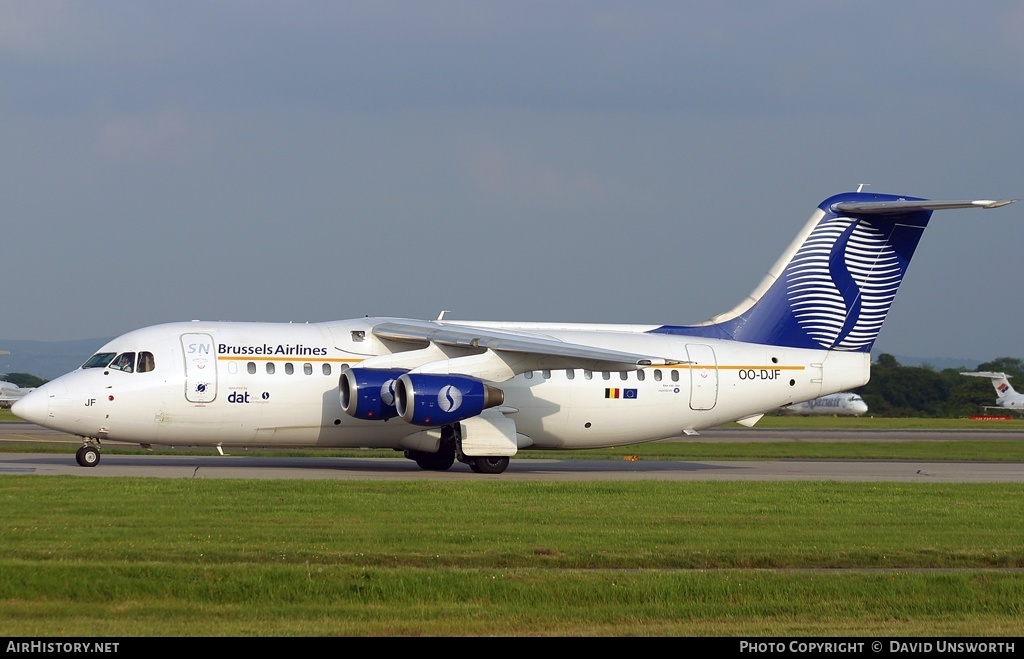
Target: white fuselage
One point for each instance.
(276, 385)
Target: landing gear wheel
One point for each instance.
(489, 464)
(88, 456)
(440, 461)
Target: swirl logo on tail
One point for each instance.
(841, 283)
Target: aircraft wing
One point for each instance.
(495, 354)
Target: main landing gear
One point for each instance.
(88, 455)
(447, 453)
(488, 464)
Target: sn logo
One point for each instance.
(449, 398)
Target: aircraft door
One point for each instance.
(200, 368)
(703, 376)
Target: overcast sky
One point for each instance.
(636, 162)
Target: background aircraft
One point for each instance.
(843, 403)
(1006, 397)
(477, 392)
(10, 392)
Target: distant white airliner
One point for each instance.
(10, 392)
(1006, 397)
(477, 392)
(843, 403)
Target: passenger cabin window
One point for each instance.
(588, 375)
(288, 368)
(124, 362)
(270, 368)
(675, 376)
(657, 375)
(528, 375)
(326, 368)
(251, 367)
(307, 369)
(640, 375)
(99, 360)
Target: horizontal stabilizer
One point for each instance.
(988, 374)
(905, 206)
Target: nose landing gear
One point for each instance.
(88, 455)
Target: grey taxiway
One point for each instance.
(236, 464)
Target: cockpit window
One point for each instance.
(124, 362)
(146, 362)
(99, 360)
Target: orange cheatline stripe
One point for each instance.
(740, 366)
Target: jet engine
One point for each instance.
(369, 393)
(424, 399)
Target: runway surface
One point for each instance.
(239, 465)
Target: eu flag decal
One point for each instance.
(629, 393)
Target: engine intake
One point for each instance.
(369, 393)
(425, 399)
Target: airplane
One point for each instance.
(1006, 396)
(843, 403)
(10, 392)
(478, 392)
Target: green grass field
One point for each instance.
(125, 557)
(175, 557)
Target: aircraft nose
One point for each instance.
(33, 407)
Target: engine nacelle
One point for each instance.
(424, 399)
(369, 393)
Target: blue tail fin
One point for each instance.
(835, 284)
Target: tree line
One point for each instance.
(922, 391)
(23, 380)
